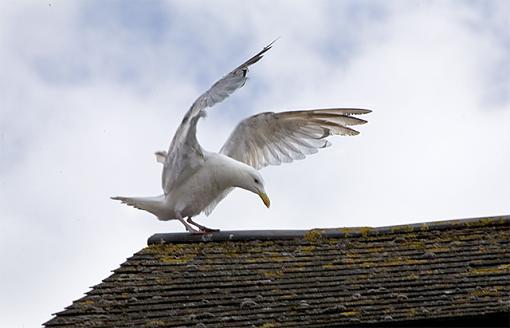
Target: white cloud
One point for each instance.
(89, 90)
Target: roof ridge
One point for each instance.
(248, 235)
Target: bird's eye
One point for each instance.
(256, 181)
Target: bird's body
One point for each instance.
(195, 180)
(200, 192)
(218, 174)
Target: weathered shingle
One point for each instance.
(317, 278)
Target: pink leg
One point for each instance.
(201, 227)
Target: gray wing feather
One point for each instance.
(185, 155)
(160, 156)
(274, 138)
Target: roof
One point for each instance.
(321, 277)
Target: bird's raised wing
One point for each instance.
(185, 155)
(272, 138)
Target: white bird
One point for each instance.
(195, 180)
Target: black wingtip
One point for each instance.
(258, 56)
(360, 111)
(272, 42)
(266, 48)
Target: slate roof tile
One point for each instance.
(326, 277)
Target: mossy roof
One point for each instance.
(327, 277)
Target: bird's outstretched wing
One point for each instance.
(272, 138)
(185, 155)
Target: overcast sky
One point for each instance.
(90, 89)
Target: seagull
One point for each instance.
(195, 180)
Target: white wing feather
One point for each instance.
(185, 155)
(272, 138)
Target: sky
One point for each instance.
(90, 89)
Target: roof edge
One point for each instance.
(249, 235)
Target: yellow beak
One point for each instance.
(265, 199)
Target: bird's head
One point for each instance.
(253, 181)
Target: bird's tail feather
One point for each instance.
(149, 204)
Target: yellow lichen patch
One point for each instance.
(366, 264)
(486, 221)
(481, 292)
(438, 249)
(329, 266)
(365, 230)
(276, 257)
(428, 272)
(313, 235)
(231, 252)
(347, 260)
(164, 249)
(268, 325)
(352, 254)
(87, 302)
(173, 253)
(155, 249)
(345, 230)
(402, 228)
(412, 276)
(273, 274)
(306, 249)
(375, 250)
(176, 259)
(350, 313)
(482, 222)
(160, 280)
(400, 261)
(503, 268)
(415, 244)
(331, 241)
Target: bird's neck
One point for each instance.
(233, 172)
